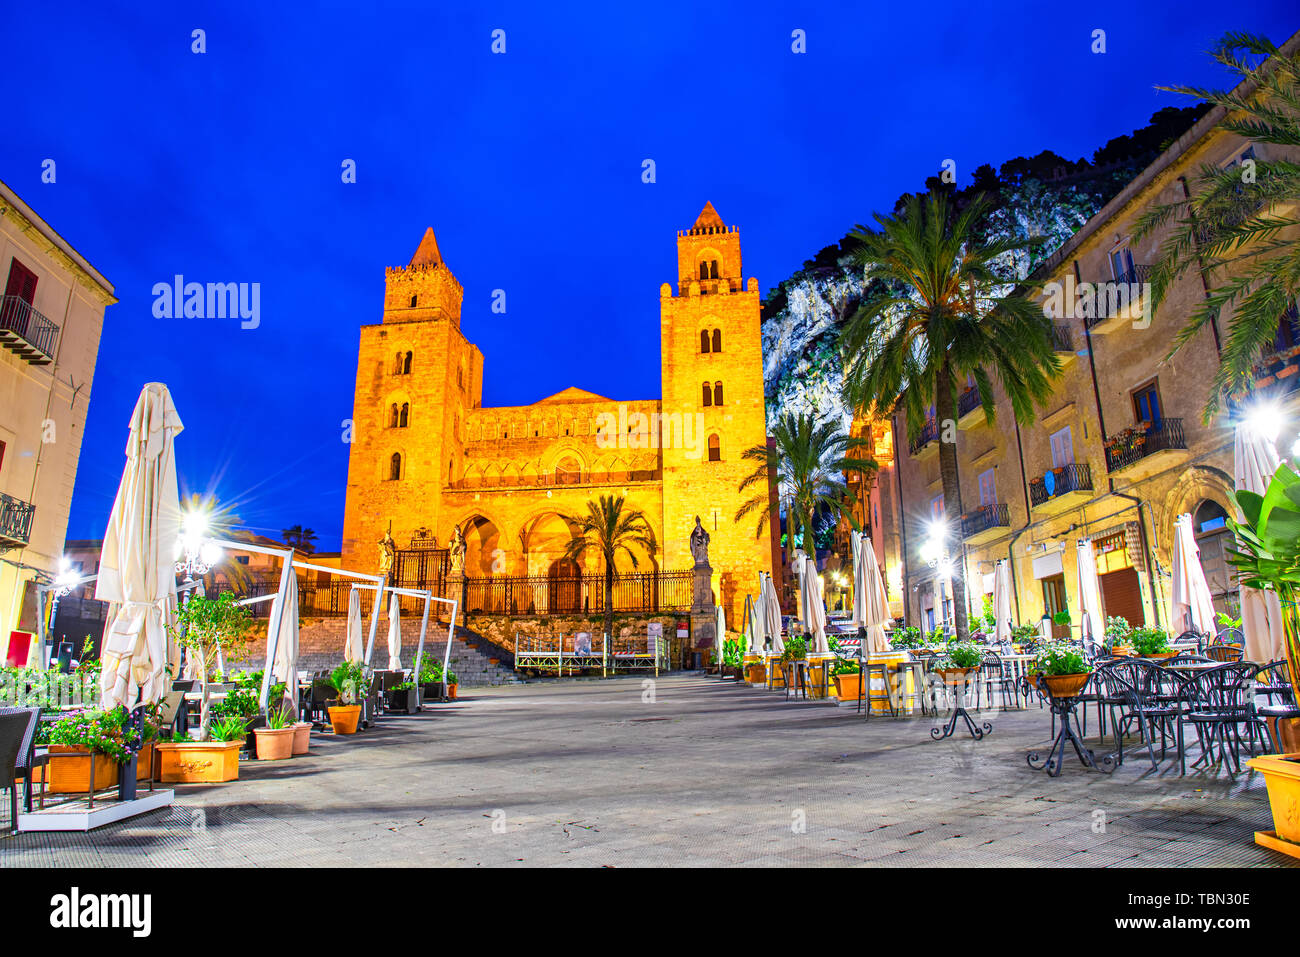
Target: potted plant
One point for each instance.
(72, 741)
(1267, 557)
(756, 672)
(452, 684)
(959, 660)
(275, 741)
(1151, 643)
(1117, 639)
(350, 681)
(848, 679)
(216, 760)
(205, 628)
(732, 659)
(1061, 669)
(402, 697)
(796, 648)
(905, 639)
(431, 677)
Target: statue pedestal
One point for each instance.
(704, 620)
(454, 588)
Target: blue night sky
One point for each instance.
(226, 167)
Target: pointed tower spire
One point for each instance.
(427, 253)
(709, 217)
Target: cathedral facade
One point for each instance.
(427, 459)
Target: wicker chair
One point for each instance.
(30, 758)
(13, 732)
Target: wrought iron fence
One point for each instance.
(19, 320)
(1076, 477)
(1160, 436)
(521, 596)
(984, 518)
(928, 434)
(15, 520)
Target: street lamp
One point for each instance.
(934, 552)
(195, 555)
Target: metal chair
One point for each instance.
(13, 732)
(30, 758)
(993, 674)
(1224, 653)
(1221, 700)
(1273, 680)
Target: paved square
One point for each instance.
(702, 772)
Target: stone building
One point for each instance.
(1122, 449)
(429, 459)
(51, 316)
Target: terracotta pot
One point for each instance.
(954, 675)
(274, 744)
(198, 762)
(451, 688)
(1066, 686)
(848, 687)
(301, 736)
(756, 674)
(1282, 778)
(71, 774)
(1160, 655)
(344, 719)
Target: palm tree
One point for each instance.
(1226, 230)
(609, 527)
(942, 313)
(808, 462)
(300, 539)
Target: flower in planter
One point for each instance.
(103, 732)
(1060, 658)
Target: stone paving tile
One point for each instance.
(716, 777)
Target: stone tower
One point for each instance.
(711, 342)
(417, 378)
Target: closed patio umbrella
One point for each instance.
(720, 626)
(870, 605)
(772, 615)
(285, 666)
(814, 612)
(1002, 602)
(1255, 460)
(354, 646)
(1190, 604)
(137, 565)
(394, 634)
(1092, 622)
(757, 620)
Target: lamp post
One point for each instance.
(195, 555)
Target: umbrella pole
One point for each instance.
(273, 636)
(419, 648)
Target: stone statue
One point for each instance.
(457, 550)
(387, 553)
(699, 543)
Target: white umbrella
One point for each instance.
(772, 615)
(394, 634)
(354, 646)
(757, 620)
(720, 626)
(1092, 623)
(814, 613)
(1002, 601)
(870, 604)
(1255, 460)
(137, 570)
(285, 666)
(1190, 604)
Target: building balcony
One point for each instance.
(1063, 343)
(1147, 448)
(15, 522)
(1061, 488)
(26, 332)
(1119, 301)
(969, 411)
(985, 523)
(925, 444)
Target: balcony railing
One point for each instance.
(15, 521)
(26, 332)
(1062, 337)
(1075, 477)
(1116, 295)
(968, 401)
(1135, 444)
(928, 434)
(984, 518)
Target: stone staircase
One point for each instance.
(320, 647)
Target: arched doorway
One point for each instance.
(1210, 526)
(484, 553)
(564, 587)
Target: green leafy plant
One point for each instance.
(1022, 634)
(961, 654)
(103, 732)
(988, 618)
(845, 666)
(1227, 621)
(350, 681)
(452, 679)
(430, 670)
(279, 718)
(732, 653)
(1060, 659)
(904, 638)
(936, 637)
(1149, 641)
(206, 627)
(403, 686)
(233, 728)
(796, 647)
(1118, 632)
(1061, 618)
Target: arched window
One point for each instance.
(717, 393)
(404, 418)
(704, 340)
(406, 364)
(717, 340)
(713, 269)
(708, 395)
(715, 449)
(413, 302)
(395, 467)
(1210, 526)
(393, 416)
(704, 269)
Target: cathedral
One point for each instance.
(429, 464)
